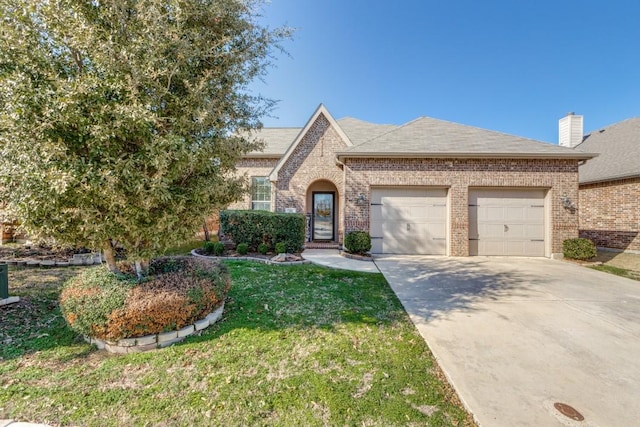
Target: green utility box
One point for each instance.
(4, 281)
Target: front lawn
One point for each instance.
(298, 345)
(630, 274)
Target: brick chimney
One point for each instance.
(570, 130)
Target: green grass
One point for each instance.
(617, 271)
(298, 345)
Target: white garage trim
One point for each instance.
(409, 220)
(510, 222)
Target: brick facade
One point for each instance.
(559, 177)
(610, 213)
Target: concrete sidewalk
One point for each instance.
(516, 336)
(332, 258)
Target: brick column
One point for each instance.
(459, 220)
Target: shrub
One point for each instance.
(88, 299)
(263, 248)
(281, 247)
(242, 248)
(578, 248)
(179, 291)
(255, 227)
(218, 248)
(357, 242)
(209, 247)
(214, 248)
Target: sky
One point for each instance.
(513, 66)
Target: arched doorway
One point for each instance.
(322, 205)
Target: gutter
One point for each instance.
(612, 178)
(465, 155)
(262, 156)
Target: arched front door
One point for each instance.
(322, 205)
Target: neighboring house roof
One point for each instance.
(619, 148)
(427, 137)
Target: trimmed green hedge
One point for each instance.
(256, 227)
(578, 248)
(357, 242)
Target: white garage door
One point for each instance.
(409, 221)
(506, 222)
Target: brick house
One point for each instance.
(425, 187)
(609, 184)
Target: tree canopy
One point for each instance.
(121, 121)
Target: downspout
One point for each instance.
(343, 200)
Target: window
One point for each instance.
(260, 193)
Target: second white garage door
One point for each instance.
(409, 221)
(506, 222)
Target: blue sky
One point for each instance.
(509, 65)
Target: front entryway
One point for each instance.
(323, 216)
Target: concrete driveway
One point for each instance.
(517, 335)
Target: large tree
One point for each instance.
(120, 119)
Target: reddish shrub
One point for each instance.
(178, 292)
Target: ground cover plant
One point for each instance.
(297, 345)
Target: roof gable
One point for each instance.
(321, 110)
(618, 146)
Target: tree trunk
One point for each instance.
(206, 231)
(110, 257)
(142, 269)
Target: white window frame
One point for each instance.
(260, 193)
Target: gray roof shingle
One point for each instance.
(428, 136)
(360, 131)
(618, 146)
(276, 140)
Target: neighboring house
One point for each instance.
(610, 183)
(426, 187)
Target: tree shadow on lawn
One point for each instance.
(35, 323)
